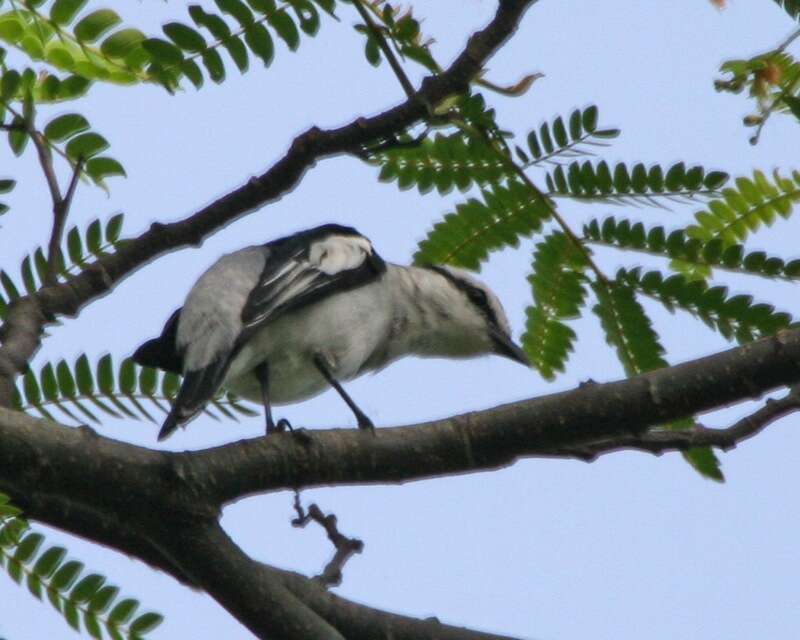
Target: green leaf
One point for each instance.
(163, 52)
(260, 42)
(103, 167)
(114, 228)
(62, 12)
(559, 293)
(86, 145)
(465, 238)
(49, 561)
(627, 327)
(122, 43)
(66, 575)
(123, 611)
(184, 36)
(86, 588)
(66, 126)
(146, 623)
(92, 26)
(11, 29)
(18, 137)
(705, 462)
(285, 27)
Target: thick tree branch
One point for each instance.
(306, 149)
(97, 487)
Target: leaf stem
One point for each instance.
(387, 52)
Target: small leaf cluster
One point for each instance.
(745, 208)
(477, 227)
(597, 182)
(441, 162)
(86, 600)
(771, 79)
(79, 391)
(627, 326)
(735, 317)
(6, 185)
(82, 147)
(96, 46)
(677, 245)
(187, 51)
(80, 248)
(402, 30)
(559, 292)
(557, 139)
(72, 44)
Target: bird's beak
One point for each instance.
(506, 347)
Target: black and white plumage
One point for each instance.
(283, 321)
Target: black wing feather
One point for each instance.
(162, 352)
(197, 388)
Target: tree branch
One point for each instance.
(61, 207)
(97, 487)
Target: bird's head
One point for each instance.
(479, 314)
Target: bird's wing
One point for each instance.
(301, 273)
(208, 328)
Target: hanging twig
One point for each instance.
(331, 575)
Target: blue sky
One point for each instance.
(557, 550)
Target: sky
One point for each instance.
(548, 549)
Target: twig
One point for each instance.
(387, 51)
(46, 162)
(331, 575)
(60, 212)
(794, 35)
(658, 441)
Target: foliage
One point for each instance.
(79, 250)
(86, 600)
(510, 188)
(120, 392)
(480, 154)
(559, 293)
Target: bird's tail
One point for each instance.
(197, 389)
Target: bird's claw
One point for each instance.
(281, 427)
(365, 423)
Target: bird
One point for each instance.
(281, 322)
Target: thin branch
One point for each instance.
(46, 162)
(394, 63)
(331, 575)
(658, 441)
(60, 213)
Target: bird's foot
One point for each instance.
(281, 427)
(365, 423)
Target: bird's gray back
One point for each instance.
(211, 319)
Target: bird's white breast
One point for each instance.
(345, 328)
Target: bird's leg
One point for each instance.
(363, 421)
(262, 373)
